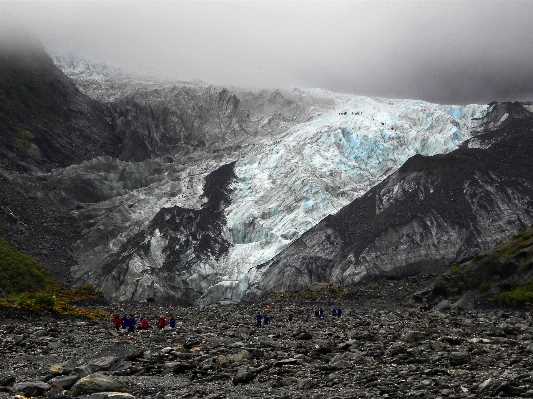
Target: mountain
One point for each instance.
(202, 184)
(297, 156)
(503, 274)
(45, 121)
(431, 212)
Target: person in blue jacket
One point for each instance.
(132, 324)
(125, 322)
(172, 321)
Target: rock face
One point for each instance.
(45, 121)
(430, 213)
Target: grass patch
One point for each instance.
(20, 272)
(485, 287)
(519, 296)
(28, 285)
(455, 267)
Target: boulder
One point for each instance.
(243, 376)
(32, 388)
(65, 381)
(104, 363)
(96, 383)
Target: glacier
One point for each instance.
(300, 156)
(315, 168)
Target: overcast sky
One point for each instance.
(439, 51)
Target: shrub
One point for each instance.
(484, 287)
(455, 267)
(518, 296)
(20, 272)
(522, 235)
(478, 257)
(45, 300)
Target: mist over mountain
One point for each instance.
(195, 194)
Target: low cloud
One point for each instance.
(446, 52)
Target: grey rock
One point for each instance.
(95, 383)
(7, 380)
(103, 363)
(457, 358)
(65, 382)
(243, 376)
(34, 388)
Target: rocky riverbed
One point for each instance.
(376, 349)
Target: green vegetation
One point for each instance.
(519, 296)
(312, 292)
(478, 257)
(28, 285)
(20, 272)
(455, 268)
(508, 264)
(523, 235)
(485, 287)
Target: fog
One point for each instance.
(439, 51)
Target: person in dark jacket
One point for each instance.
(132, 323)
(289, 320)
(172, 322)
(125, 322)
(258, 319)
(266, 320)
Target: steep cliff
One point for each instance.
(430, 213)
(45, 121)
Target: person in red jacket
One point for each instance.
(145, 324)
(161, 323)
(117, 322)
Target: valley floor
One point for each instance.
(377, 350)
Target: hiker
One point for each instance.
(339, 311)
(259, 319)
(266, 320)
(117, 322)
(334, 312)
(289, 320)
(172, 322)
(145, 324)
(125, 322)
(132, 323)
(317, 313)
(161, 323)
(320, 313)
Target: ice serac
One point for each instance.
(431, 212)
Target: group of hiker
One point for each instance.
(129, 323)
(264, 319)
(335, 312)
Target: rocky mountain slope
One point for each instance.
(501, 275)
(432, 212)
(297, 156)
(45, 121)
